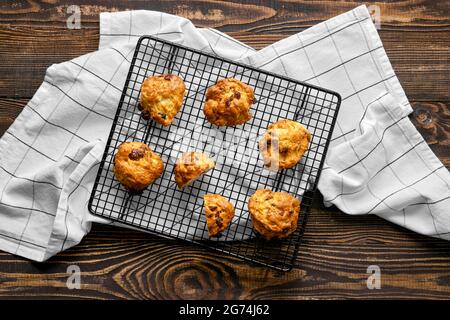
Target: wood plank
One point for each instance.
(417, 40)
(420, 61)
(433, 122)
(333, 260)
(9, 110)
(212, 13)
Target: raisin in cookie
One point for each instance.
(136, 166)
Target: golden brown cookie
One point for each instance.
(190, 166)
(274, 214)
(290, 138)
(219, 213)
(228, 103)
(162, 98)
(136, 166)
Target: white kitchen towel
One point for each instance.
(377, 162)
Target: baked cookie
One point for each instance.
(219, 213)
(274, 214)
(136, 166)
(228, 103)
(190, 166)
(290, 138)
(162, 98)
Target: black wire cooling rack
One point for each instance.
(165, 210)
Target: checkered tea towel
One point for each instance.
(377, 162)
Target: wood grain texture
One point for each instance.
(432, 119)
(420, 60)
(9, 110)
(336, 249)
(332, 263)
(212, 13)
(416, 34)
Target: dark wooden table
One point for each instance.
(337, 248)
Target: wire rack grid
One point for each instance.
(165, 210)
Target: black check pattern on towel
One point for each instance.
(381, 202)
(163, 208)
